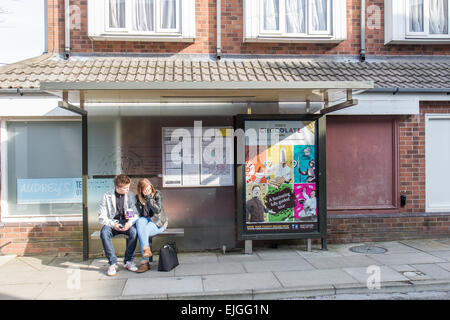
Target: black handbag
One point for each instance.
(168, 258)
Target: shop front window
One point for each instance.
(43, 168)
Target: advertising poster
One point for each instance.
(305, 202)
(280, 177)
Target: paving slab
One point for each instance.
(235, 257)
(194, 269)
(196, 258)
(318, 253)
(314, 278)
(386, 274)
(402, 267)
(434, 271)
(16, 272)
(445, 265)
(341, 262)
(248, 281)
(6, 259)
(405, 258)
(275, 254)
(27, 291)
(395, 247)
(427, 245)
(59, 290)
(277, 265)
(158, 286)
(441, 254)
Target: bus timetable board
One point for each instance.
(278, 185)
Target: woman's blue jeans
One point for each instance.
(146, 229)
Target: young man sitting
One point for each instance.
(118, 214)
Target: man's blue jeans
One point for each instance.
(145, 229)
(108, 233)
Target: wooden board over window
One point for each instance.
(362, 164)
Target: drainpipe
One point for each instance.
(219, 25)
(67, 28)
(46, 26)
(362, 53)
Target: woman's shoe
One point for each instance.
(147, 252)
(143, 267)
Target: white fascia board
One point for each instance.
(390, 104)
(29, 106)
(382, 104)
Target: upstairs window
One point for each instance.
(417, 21)
(158, 20)
(307, 20)
(148, 16)
(427, 17)
(292, 16)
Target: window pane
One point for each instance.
(168, 12)
(416, 16)
(143, 15)
(295, 16)
(319, 13)
(44, 168)
(438, 17)
(117, 13)
(271, 14)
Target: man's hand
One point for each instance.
(118, 227)
(126, 227)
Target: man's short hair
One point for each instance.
(121, 180)
(256, 186)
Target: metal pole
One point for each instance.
(85, 188)
(323, 179)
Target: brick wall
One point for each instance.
(412, 221)
(232, 35)
(41, 238)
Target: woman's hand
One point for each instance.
(147, 191)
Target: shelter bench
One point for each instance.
(175, 232)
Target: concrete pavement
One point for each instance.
(287, 272)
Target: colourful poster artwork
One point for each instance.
(305, 202)
(255, 170)
(279, 165)
(256, 211)
(304, 164)
(280, 202)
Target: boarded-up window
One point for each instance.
(362, 169)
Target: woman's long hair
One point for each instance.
(142, 185)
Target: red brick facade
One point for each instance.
(410, 222)
(232, 35)
(41, 238)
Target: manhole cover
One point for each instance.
(368, 249)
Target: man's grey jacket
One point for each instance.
(108, 210)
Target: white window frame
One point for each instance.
(397, 29)
(426, 22)
(98, 23)
(310, 27)
(254, 24)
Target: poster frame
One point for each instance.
(320, 150)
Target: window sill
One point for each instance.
(140, 38)
(268, 39)
(48, 218)
(408, 41)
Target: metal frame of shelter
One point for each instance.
(76, 96)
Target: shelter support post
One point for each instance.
(323, 179)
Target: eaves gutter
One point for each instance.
(21, 92)
(409, 90)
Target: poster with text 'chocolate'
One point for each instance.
(280, 176)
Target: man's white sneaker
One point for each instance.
(130, 266)
(112, 270)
